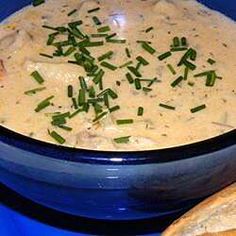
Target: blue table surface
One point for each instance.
(22, 217)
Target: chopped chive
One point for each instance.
(134, 71)
(86, 107)
(46, 55)
(143, 41)
(176, 42)
(198, 108)
(34, 91)
(171, 68)
(98, 78)
(96, 20)
(127, 51)
(177, 81)
(138, 66)
(97, 108)
(166, 106)
(140, 111)
(129, 78)
(38, 2)
(111, 36)
(59, 121)
(113, 109)
(191, 83)
(122, 139)
(153, 81)
(110, 92)
(106, 100)
(142, 60)
(58, 138)
(179, 49)
(107, 55)
(211, 61)
(211, 78)
(104, 29)
(37, 77)
(66, 128)
(98, 35)
(69, 51)
(164, 56)
(75, 105)
(147, 90)
(137, 84)
(186, 70)
(83, 84)
(45, 103)
(190, 65)
(99, 117)
(81, 98)
(51, 38)
(148, 48)
(49, 27)
(75, 113)
(184, 41)
(126, 64)
(124, 122)
(92, 92)
(94, 9)
(192, 54)
(119, 41)
(149, 29)
(204, 73)
(75, 24)
(93, 44)
(60, 115)
(108, 65)
(70, 91)
(72, 12)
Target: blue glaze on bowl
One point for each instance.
(116, 185)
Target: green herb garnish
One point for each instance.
(58, 138)
(122, 139)
(104, 29)
(72, 12)
(164, 56)
(70, 91)
(148, 48)
(177, 81)
(140, 111)
(45, 103)
(167, 106)
(171, 69)
(34, 91)
(108, 65)
(38, 2)
(96, 20)
(107, 55)
(149, 29)
(94, 9)
(37, 77)
(124, 122)
(198, 108)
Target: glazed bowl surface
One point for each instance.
(116, 185)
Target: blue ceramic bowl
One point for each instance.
(116, 185)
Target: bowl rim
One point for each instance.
(177, 153)
(64, 153)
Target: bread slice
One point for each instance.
(214, 216)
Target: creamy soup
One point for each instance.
(118, 75)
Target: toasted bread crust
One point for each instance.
(202, 213)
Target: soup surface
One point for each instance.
(131, 75)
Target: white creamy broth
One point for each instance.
(158, 109)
